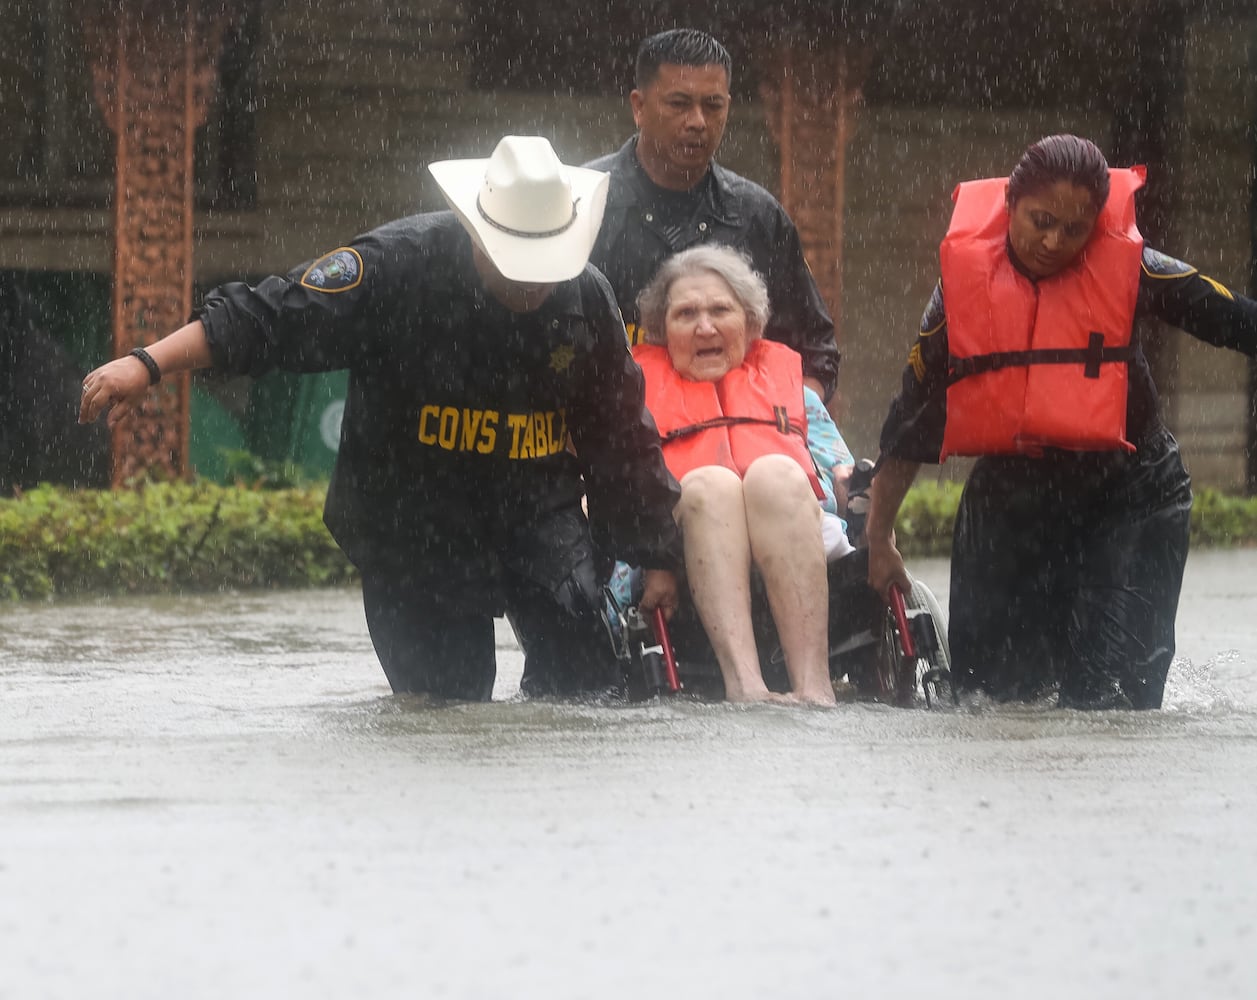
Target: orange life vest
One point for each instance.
(756, 409)
(1038, 364)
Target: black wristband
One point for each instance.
(154, 373)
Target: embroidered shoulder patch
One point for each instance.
(935, 314)
(1160, 265)
(337, 271)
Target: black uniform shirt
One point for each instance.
(645, 224)
(454, 440)
(1168, 290)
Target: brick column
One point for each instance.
(810, 93)
(154, 67)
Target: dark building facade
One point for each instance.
(862, 116)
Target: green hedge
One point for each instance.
(165, 537)
(1220, 521)
(926, 518)
(925, 521)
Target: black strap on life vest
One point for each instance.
(781, 421)
(1091, 357)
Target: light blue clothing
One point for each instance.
(825, 442)
(625, 586)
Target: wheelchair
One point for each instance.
(896, 655)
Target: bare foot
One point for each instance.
(760, 695)
(821, 697)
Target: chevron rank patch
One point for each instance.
(337, 271)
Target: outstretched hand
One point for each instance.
(118, 388)
(660, 592)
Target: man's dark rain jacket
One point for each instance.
(454, 442)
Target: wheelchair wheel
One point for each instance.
(901, 680)
(923, 597)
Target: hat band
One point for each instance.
(524, 233)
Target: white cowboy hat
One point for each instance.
(535, 218)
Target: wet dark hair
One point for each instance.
(1061, 158)
(679, 47)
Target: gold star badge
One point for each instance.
(561, 358)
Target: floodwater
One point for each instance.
(217, 797)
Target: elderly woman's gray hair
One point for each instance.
(726, 263)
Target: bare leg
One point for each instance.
(784, 527)
(712, 517)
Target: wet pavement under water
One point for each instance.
(215, 796)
